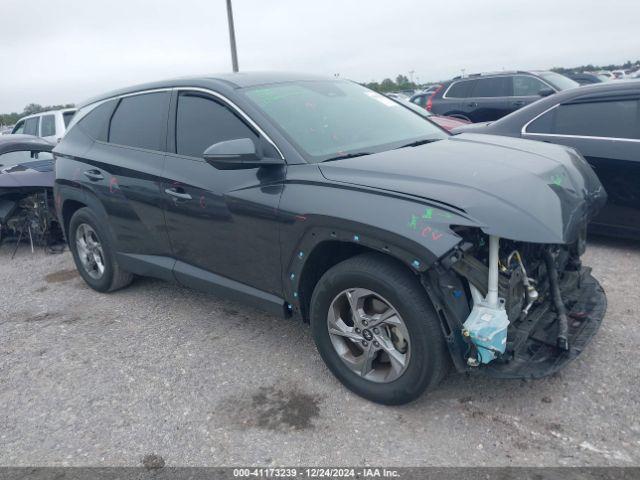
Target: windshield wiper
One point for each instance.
(347, 155)
(417, 143)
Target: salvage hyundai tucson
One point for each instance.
(406, 249)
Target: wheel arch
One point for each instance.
(322, 248)
(73, 200)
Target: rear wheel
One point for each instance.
(93, 254)
(377, 331)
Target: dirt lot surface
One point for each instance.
(109, 379)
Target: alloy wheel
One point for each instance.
(90, 251)
(369, 335)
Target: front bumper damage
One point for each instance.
(544, 332)
(532, 350)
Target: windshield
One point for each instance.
(559, 81)
(327, 119)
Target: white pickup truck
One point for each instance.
(49, 125)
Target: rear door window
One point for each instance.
(31, 126)
(139, 121)
(492, 87)
(527, 86)
(48, 126)
(460, 89)
(611, 119)
(202, 121)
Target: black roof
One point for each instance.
(501, 72)
(16, 143)
(215, 81)
(597, 89)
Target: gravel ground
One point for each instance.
(109, 379)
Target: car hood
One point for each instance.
(37, 173)
(516, 189)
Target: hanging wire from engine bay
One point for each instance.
(530, 291)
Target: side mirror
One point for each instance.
(236, 154)
(545, 92)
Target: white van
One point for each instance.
(49, 125)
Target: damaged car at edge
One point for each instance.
(406, 249)
(27, 211)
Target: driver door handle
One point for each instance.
(93, 175)
(174, 192)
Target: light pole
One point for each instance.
(232, 38)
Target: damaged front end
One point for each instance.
(27, 207)
(29, 215)
(517, 309)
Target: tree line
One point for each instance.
(387, 85)
(595, 68)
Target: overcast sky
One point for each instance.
(67, 50)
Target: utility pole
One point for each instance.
(232, 38)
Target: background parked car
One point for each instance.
(485, 97)
(586, 78)
(619, 74)
(603, 123)
(49, 125)
(606, 73)
(26, 190)
(419, 101)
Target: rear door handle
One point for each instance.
(93, 175)
(519, 103)
(177, 194)
(472, 104)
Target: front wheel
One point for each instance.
(377, 331)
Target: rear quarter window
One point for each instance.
(96, 122)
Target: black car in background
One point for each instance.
(322, 200)
(603, 123)
(585, 78)
(490, 96)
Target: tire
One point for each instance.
(112, 276)
(426, 358)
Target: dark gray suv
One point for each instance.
(490, 96)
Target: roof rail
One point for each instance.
(487, 74)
